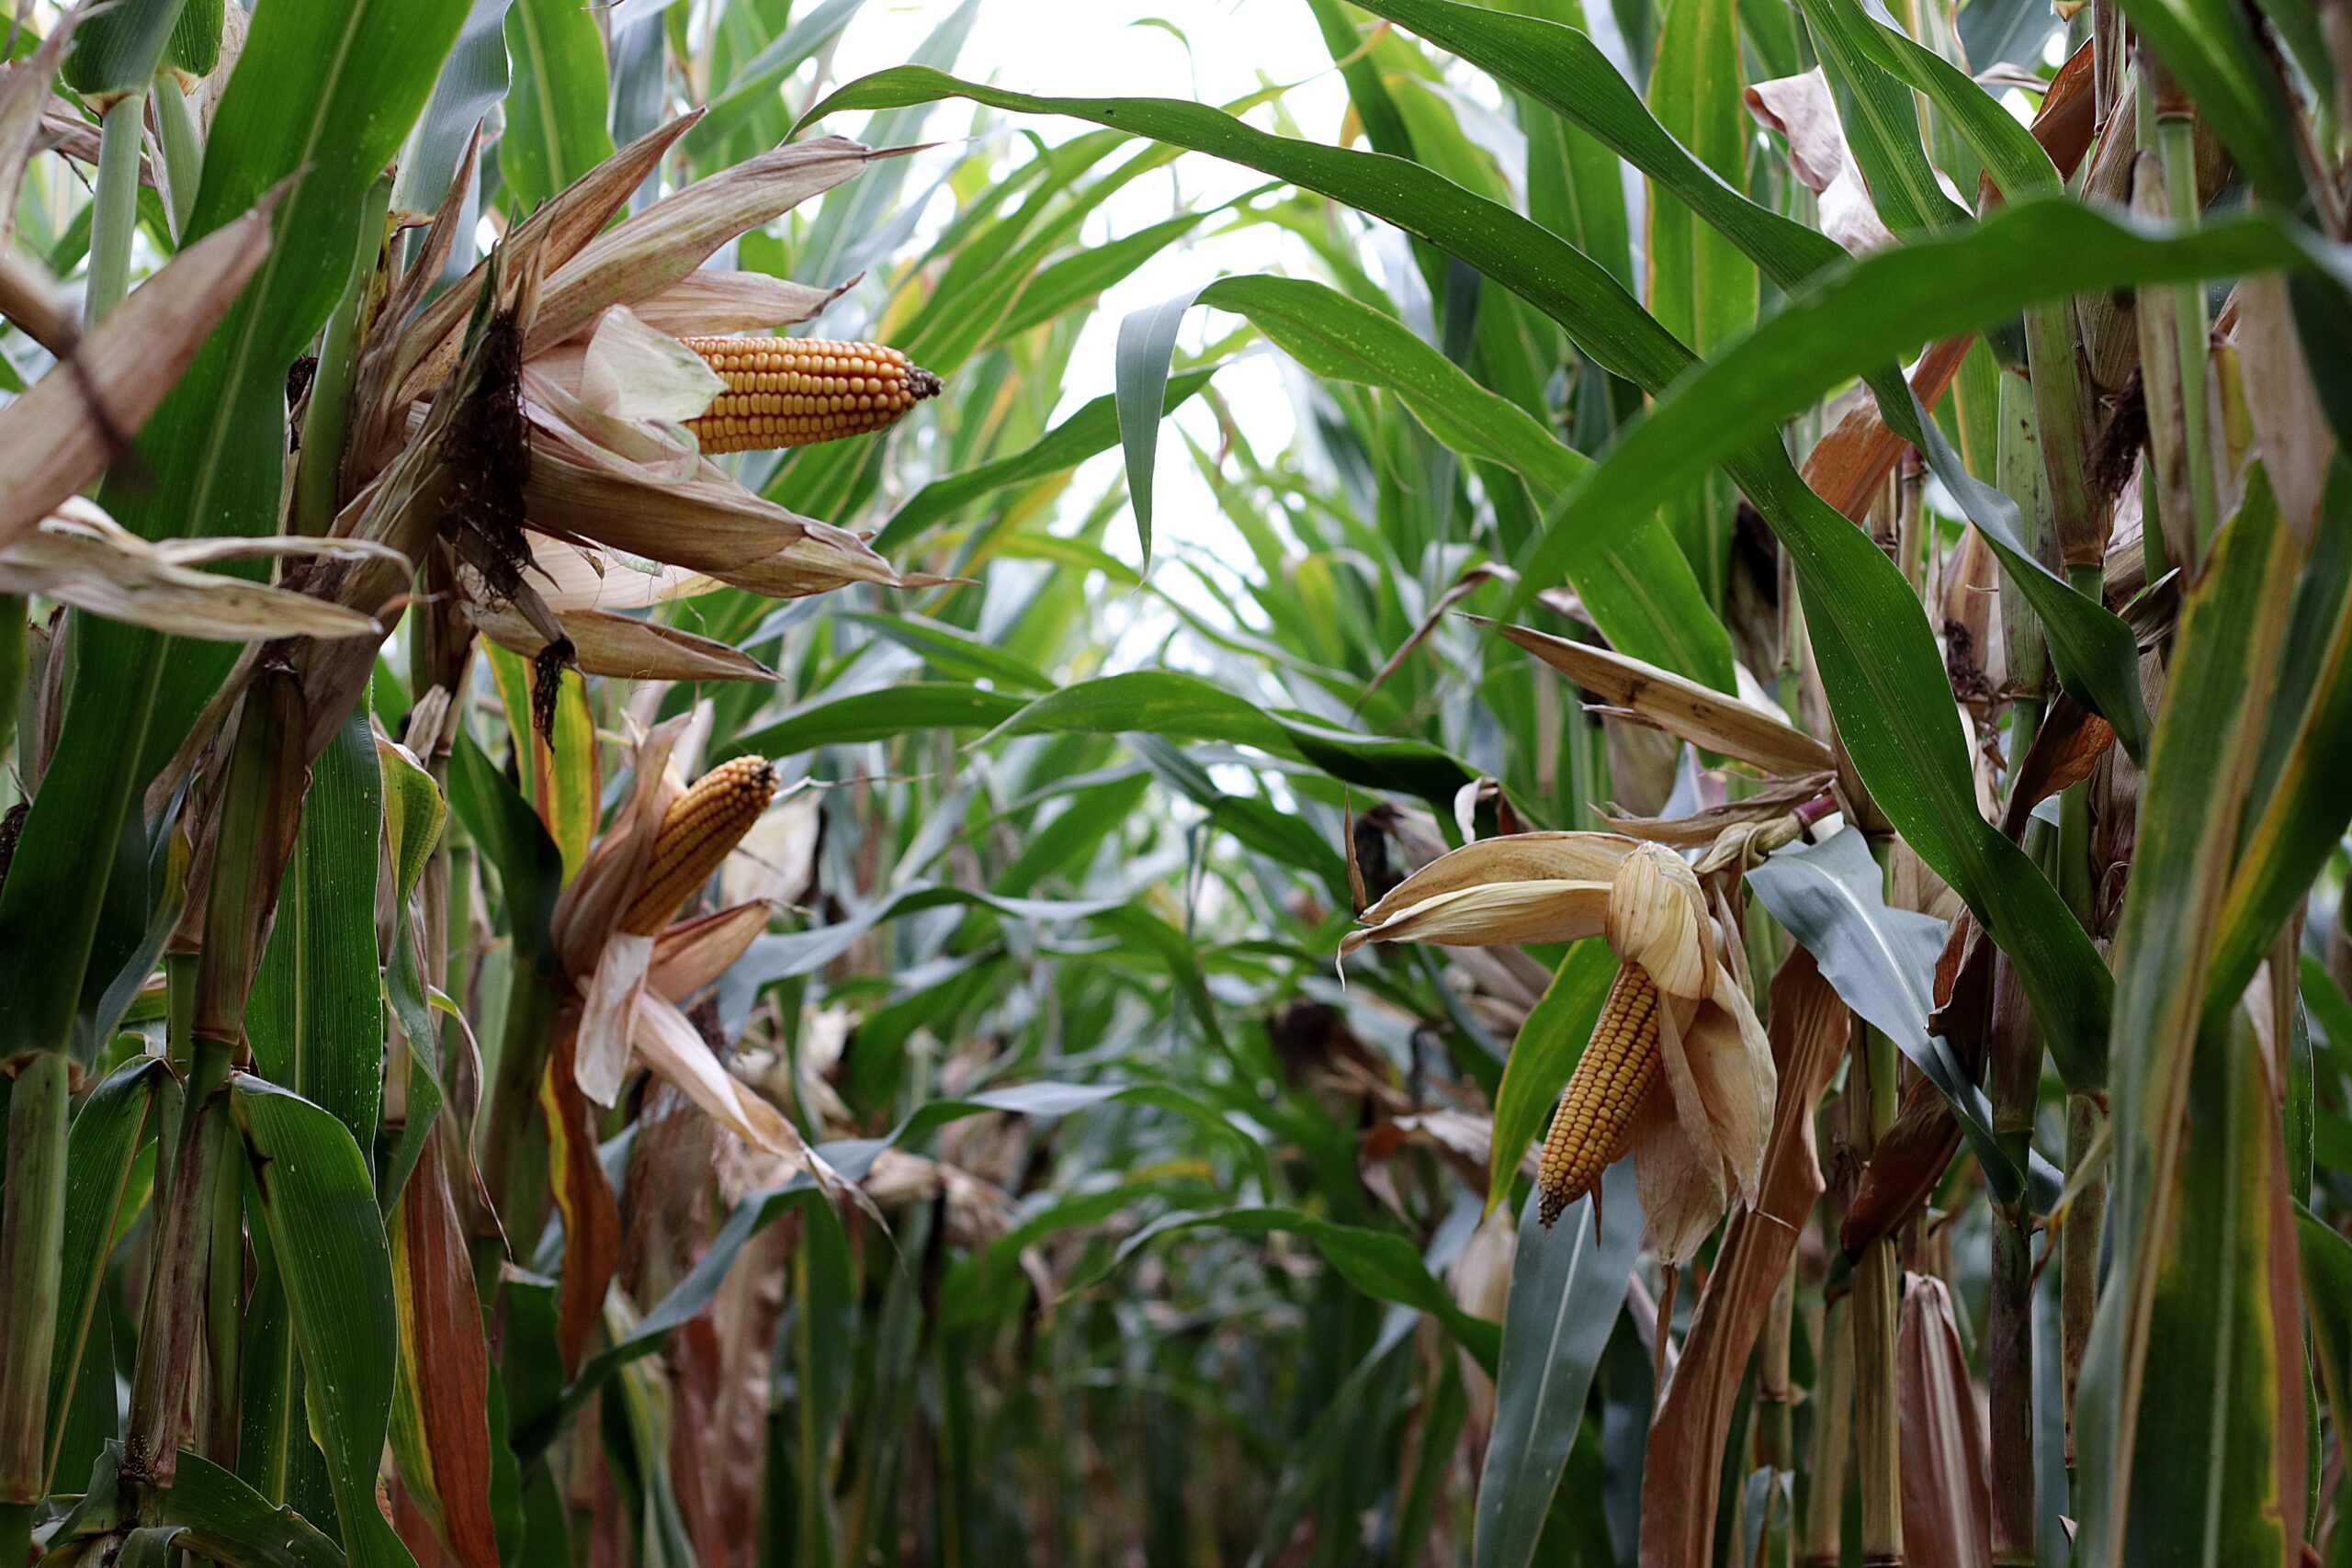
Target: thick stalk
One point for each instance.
(2177, 147)
(170, 1325)
(2013, 1082)
(114, 205)
(1822, 1544)
(2079, 1248)
(2172, 360)
(183, 147)
(1877, 1287)
(32, 1232)
(2063, 420)
(12, 665)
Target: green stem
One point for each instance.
(32, 1232)
(12, 666)
(2176, 146)
(183, 148)
(114, 209)
(316, 479)
(176, 1279)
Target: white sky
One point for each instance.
(1105, 47)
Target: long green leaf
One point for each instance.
(554, 110)
(1543, 1056)
(1640, 592)
(319, 1204)
(101, 1152)
(1567, 1285)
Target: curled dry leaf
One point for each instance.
(621, 646)
(1801, 108)
(1705, 717)
(1947, 1497)
(80, 555)
(74, 421)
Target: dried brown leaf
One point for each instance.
(1705, 717)
(73, 422)
(1685, 1459)
(1947, 1499)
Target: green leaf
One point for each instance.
(1643, 596)
(1543, 1057)
(1886, 682)
(2298, 807)
(319, 1204)
(1700, 289)
(554, 110)
(1139, 383)
(2225, 1333)
(2212, 47)
(207, 1510)
(1563, 70)
(117, 50)
(755, 83)
(2199, 771)
(952, 651)
(1090, 429)
(1881, 963)
(314, 1017)
(101, 1153)
(1881, 308)
(322, 92)
(880, 715)
(472, 83)
(1186, 707)
(1567, 1284)
(530, 868)
(1881, 120)
(1382, 1264)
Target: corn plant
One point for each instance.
(651, 912)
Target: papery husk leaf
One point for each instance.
(407, 363)
(630, 370)
(1657, 919)
(571, 578)
(1680, 1479)
(670, 239)
(708, 302)
(1703, 827)
(607, 1015)
(80, 555)
(1514, 857)
(1486, 914)
(693, 954)
(1705, 717)
(57, 438)
(707, 522)
(1946, 1498)
(675, 1051)
(591, 902)
(621, 646)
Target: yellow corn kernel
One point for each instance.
(791, 391)
(700, 830)
(1594, 1124)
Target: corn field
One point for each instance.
(1682, 904)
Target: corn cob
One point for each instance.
(1594, 1124)
(700, 830)
(797, 391)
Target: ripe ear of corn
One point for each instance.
(797, 391)
(700, 830)
(1594, 1124)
